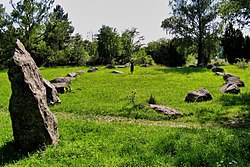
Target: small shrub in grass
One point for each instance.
(152, 100)
(242, 63)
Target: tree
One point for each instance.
(28, 23)
(167, 52)
(109, 45)
(5, 37)
(233, 43)
(194, 20)
(131, 43)
(237, 11)
(58, 37)
(78, 55)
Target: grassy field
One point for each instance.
(105, 120)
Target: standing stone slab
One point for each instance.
(33, 124)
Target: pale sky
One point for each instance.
(89, 15)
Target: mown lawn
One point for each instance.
(100, 126)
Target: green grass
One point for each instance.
(99, 126)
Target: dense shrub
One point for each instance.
(166, 52)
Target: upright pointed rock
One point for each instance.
(33, 124)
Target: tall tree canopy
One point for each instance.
(109, 45)
(28, 24)
(194, 20)
(237, 11)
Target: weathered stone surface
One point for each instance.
(63, 80)
(235, 80)
(122, 66)
(198, 96)
(51, 93)
(33, 124)
(117, 72)
(110, 66)
(72, 74)
(93, 69)
(217, 69)
(219, 73)
(165, 110)
(231, 88)
(62, 87)
(80, 72)
(227, 75)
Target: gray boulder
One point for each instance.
(62, 87)
(93, 69)
(72, 74)
(80, 72)
(217, 69)
(63, 80)
(51, 93)
(198, 96)
(235, 80)
(227, 75)
(231, 88)
(33, 124)
(165, 110)
(110, 66)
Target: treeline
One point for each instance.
(49, 36)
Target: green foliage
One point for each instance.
(237, 11)
(92, 134)
(194, 20)
(141, 57)
(235, 45)
(167, 52)
(152, 100)
(131, 43)
(242, 63)
(109, 45)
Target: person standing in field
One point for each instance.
(132, 67)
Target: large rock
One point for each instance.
(227, 75)
(198, 96)
(51, 93)
(33, 124)
(231, 88)
(235, 80)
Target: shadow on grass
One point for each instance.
(10, 153)
(242, 100)
(183, 70)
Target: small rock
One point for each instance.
(72, 74)
(80, 72)
(93, 69)
(217, 69)
(165, 110)
(62, 87)
(117, 72)
(122, 66)
(110, 66)
(63, 80)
